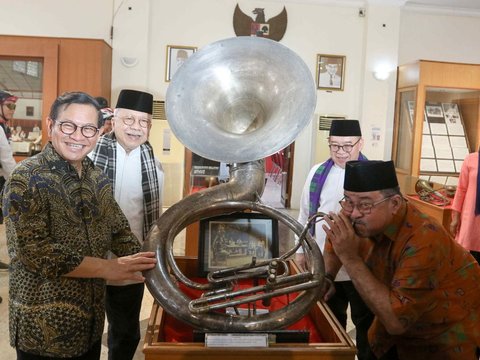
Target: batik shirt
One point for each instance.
(54, 218)
(434, 290)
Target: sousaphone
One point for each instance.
(237, 101)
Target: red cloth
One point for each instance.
(176, 331)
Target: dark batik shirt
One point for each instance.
(53, 220)
(434, 290)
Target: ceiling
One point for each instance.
(28, 86)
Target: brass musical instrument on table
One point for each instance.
(427, 193)
(238, 101)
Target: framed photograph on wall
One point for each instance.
(176, 56)
(234, 239)
(330, 72)
(29, 110)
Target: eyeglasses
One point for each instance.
(130, 120)
(364, 207)
(68, 128)
(347, 147)
(11, 106)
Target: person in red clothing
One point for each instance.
(466, 206)
(422, 286)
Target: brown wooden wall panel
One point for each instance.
(69, 65)
(85, 65)
(37, 48)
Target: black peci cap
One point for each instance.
(364, 176)
(135, 100)
(345, 128)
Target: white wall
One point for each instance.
(381, 53)
(143, 28)
(311, 30)
(439, 37)
(57, 18)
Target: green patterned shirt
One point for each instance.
(54, 218)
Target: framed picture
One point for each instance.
(29, 110)
(234, 239)
(434, 111)
(176, 56)
(330, 72)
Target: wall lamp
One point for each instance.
(381, 75)
(129, 61)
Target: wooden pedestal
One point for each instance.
(337, 344)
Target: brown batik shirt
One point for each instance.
(434, 290)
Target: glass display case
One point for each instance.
(436, 120)
(403, 159)
(437, 123)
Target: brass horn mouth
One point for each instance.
(427, 193)
(240, 99)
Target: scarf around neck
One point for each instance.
(317, 183)
(105, 157)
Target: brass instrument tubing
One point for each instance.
(195, 308)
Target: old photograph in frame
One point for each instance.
(234, 239)
(330, 72)
(176, 56)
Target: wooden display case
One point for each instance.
(437, 123)
(336, 342)
(430, 82)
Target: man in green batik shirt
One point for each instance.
(61, 220)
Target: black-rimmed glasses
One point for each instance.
(68, 128)
(130, 120)
(364, 207)
(347, 147)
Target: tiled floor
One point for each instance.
(271, 197)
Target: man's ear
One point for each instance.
(396, 202)
(50, 124)
(360, 144)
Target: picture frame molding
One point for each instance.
(206, 238)
(321, 85)
(169, 55)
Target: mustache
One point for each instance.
(359, 222)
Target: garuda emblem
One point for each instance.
(273, 29)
